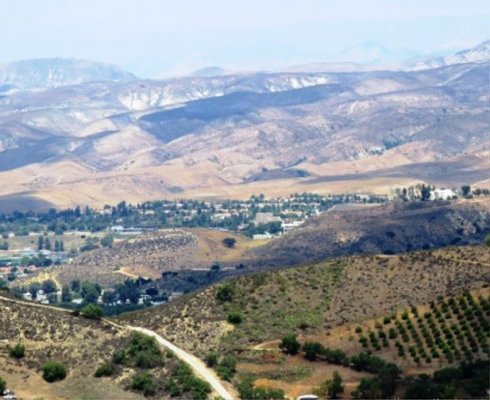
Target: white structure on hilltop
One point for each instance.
(262, 236)
(442, 194)
(265, 218)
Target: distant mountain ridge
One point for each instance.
(103, 141)
(55, 72)
(477, 54)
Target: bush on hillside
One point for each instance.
(144, 382)
(54, 371)
(225, 293)
(290, 344)
(105, 369)
(92, 311)
(18, 351)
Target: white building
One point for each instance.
(289, 226)
(264, 218)
(262, 236)
(442, 194)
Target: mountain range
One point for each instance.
(80, 132)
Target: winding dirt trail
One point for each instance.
(195, 363)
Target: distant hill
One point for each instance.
(55, 72)
(209, 72)
(477, 54)
(360, 131)
(314, 298)
(388, 229)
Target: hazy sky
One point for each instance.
(162, 37)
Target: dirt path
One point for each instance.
(196, 364)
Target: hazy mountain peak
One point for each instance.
(209, 72)
(54, 72)
(477, 54)
(366, 52)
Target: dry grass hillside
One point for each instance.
(317, 297)
(419, 339)
(79, 344)
(390, 228)
(335, 303)
(150, 254)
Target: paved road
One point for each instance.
(197, 365)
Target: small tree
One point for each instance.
(487, 240)
(225, 293)
(465, 190)
(335, 386)
(48, 286)
(75, 285)
(229, 242)
(107, 240)
(211, 360)
(18, 351)
(235, 318)
(89, 292)
(3, 386)
(105, 369)
(54, 371)
(65, 294)
(92, 311)
(290, 344)
(33, 289)
(425, 192)
(144, 382)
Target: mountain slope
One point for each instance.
(477, 54)
(55, 72)
(389, 229)
(225, 132)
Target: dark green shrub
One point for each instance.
(143, 351)
(18, 351)
(54, 371)
(92, 311)
(119, 357)
(211, 360)
(105, 369)
(290, 344)
(235, 318)
(227, 367)
(144, 382)
(392, 333)
(3, 385)
(446, 375)
(225, 293)
(312, 349)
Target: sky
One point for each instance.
(160, 38)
